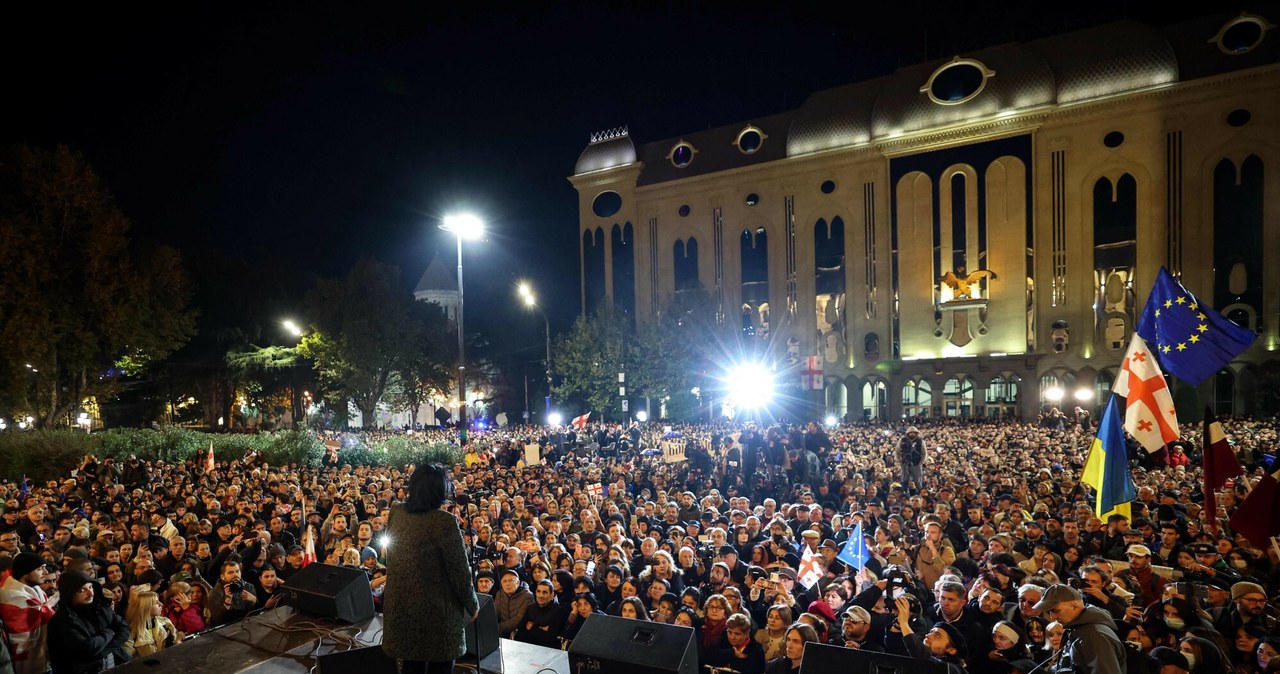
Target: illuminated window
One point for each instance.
(957, 81)
(681, 154)
(750, 140)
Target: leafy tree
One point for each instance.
(663, 358)
(83, 303)
(425, 366)
(589, 357)
(363, 328)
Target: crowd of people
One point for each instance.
(985, 554)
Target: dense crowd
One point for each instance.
(985, 553)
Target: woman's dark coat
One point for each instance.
(429, 598)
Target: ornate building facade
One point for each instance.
(974, 235)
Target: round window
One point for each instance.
(827, 186)
(606, 204)
(684, 211)
(1242, 34)
(749, 140)
(682, 154)
(1239, 117)
(957, 82)
(1113, 139)
(753, 199)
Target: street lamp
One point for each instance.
(462, 226)
(530, 301)
(294, 402)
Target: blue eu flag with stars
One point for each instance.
(1193, 340)
(855, 553)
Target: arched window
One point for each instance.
(875, 399)
(624, 268)
(686, 264)
(755, 281)
(957, 397)
(593, 267)
(917, 398)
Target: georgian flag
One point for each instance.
(580, 423)
(809, 572)
(1148, 413)
(811, 377)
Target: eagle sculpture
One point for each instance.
(960, 281)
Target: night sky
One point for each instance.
(311, 135)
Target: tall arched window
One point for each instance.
(1237, 239)
(624, 269)
(875, 399)
(755, 282)
(686, 264)
(917, 398)
(1115, 254)
(593, 267)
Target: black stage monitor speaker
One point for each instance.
(370, 660)
(482, 633)
(824, 658)
(330, 591)
(626, 646)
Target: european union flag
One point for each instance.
(1193, 340)
(855, 553)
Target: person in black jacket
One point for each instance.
(85, 635)
(544, 619)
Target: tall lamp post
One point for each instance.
(296, 409)
(462, 226)
(530, 301)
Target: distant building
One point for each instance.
(439, 284)
(973, 235)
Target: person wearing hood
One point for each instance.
(85, 635)
(1091, 643)
(512, 602)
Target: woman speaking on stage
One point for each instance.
(429, 597)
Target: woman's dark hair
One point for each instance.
(429, 487)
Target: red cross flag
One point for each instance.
(1148, 412)
(811, 376)
(580, 423)
(809, 572)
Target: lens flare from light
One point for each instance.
(554, 419)
(749, 386)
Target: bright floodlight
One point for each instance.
(750, 386)
(1084, 394)
(642, 416)
(293, 328)
(554, 419)
(832, 421)
(464, 226)
(526, 293)
(1053, 395)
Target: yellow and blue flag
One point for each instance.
(1107, 468)
(1192, 340)
(855, 553)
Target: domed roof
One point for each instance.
(839, 117)
(607, 149)
(1015, 78)
(1108, 59)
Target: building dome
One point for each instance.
(1111, 59)
(606, 150)
(969, 87)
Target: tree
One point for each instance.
(83, 303)
(589, 357)
(424, 369)
(363, 328)
(663, 358)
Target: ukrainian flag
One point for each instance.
(1107, 468)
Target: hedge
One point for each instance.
(44, 455)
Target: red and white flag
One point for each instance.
(1148, 412)
(308, 540)
(580, 423)
(208, 464)
(809, 572)
(811, 376)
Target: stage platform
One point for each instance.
(283, 640)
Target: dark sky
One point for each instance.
(310, 134)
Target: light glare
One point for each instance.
(750, 386)
(467, 226)
(554, 419)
